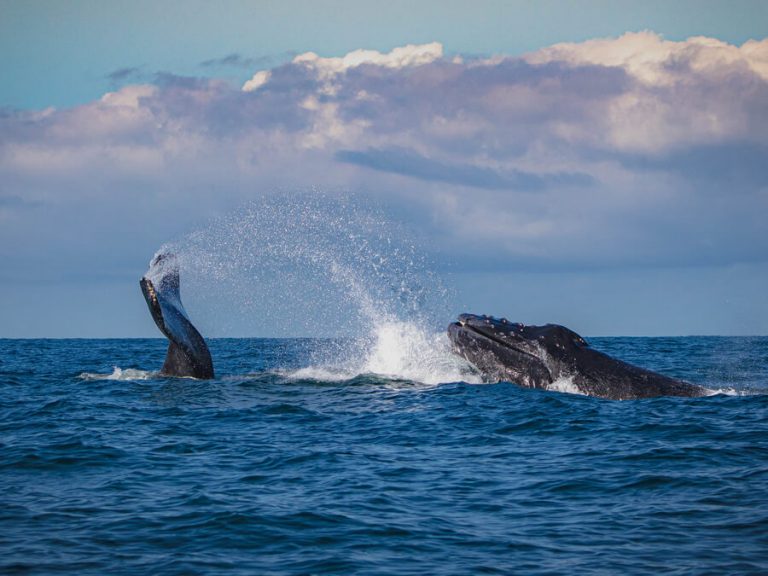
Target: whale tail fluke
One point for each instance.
(188, 354)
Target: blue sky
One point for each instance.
(597, 164)
(62, 53)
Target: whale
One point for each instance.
(553, 357)
(188, 354)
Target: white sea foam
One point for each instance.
(320, 373)
(730, 392)
(120, 374)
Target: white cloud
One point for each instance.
(327, 126)
(129, 96)
(258, 80)
(655, 61)
(327, 70)
(698, 91)
(401, 57)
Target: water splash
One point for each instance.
(319, 265)
(396, 350)
(404, 350)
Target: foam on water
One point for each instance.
(120, 374)
(320, 373)
(731, 392)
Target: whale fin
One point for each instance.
(188, 354)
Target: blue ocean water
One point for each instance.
(284, 466)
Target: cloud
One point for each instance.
(629, 151)
(738, 166)
(701, 91)
(402, 57)
(258, 80)
(658, 62)
(407, 163)
(128, 74)
(326, 69)
(13, 201)
(235, 60)
(231, 61)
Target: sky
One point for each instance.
(602, 165)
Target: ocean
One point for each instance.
(309, 456)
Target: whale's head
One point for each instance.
(531, 356)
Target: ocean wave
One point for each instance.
(274, 472)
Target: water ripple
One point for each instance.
(264, 471)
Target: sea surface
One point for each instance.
(290, 464)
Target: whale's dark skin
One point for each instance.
(538, 356)
(188, 354)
